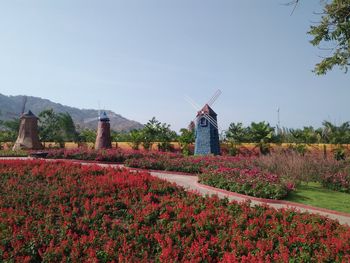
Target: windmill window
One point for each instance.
(203, 122)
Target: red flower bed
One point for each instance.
(338, 181)
(105, 155)
(251, 182)
(237, 174)
(61, 211)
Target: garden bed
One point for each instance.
(273, 176)
(61, 211)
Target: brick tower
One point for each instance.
(103, 138)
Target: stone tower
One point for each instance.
(103, 138)
(207, 134)
(28, 138)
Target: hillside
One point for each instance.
(10, 107)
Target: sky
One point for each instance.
(141, 58)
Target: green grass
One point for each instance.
(315, 195)
(10, 153)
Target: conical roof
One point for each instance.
(206, 110)
(103, 116)
(28, 114)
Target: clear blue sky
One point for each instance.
(140, 58)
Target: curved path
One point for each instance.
(190, 182)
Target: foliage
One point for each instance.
(337, 181)
(252, 182)
(57, 128)
(9, 130)
(87, 135)
(10, 153)
(135, 139)
(334, 30)
(290, 168)
(337, 134)
(262, 133)
(155, 131)
(185, 139)
(104, 155)
(64, 212)
(120, 136)
(236, 134)
(67, 127)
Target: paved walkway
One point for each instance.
(190, 182)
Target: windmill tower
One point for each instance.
(206, 129)
(103, 138)
(28, 137)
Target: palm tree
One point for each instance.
(262, 134)
(236, 134)
(337, 135)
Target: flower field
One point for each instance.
(272, 177)
(237, 174)
(59, 211)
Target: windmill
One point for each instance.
(103, 137)
(28, 137)
(206, 127)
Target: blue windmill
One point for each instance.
(206, 128)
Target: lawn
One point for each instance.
(315, 195)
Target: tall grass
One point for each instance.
(300, 168)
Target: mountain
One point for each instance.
(11, 106)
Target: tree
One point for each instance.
(135, 139)
(185, 139)
(87, 135)
(334, 29)
(49, 127)
(120, 136)
(236, 134)
(149, 133)
(155, 131)
(57, 128)
(9, 130)
(165, 136)
(262, 134)
(337, 135)
(67, 127)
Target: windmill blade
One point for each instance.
(24, 102)
(214, 98)
(90, 119)
(192, 103)
(210, 117)
(211, 120)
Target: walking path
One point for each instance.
(190, 182)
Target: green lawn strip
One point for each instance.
(315, 195)
(10, 153)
